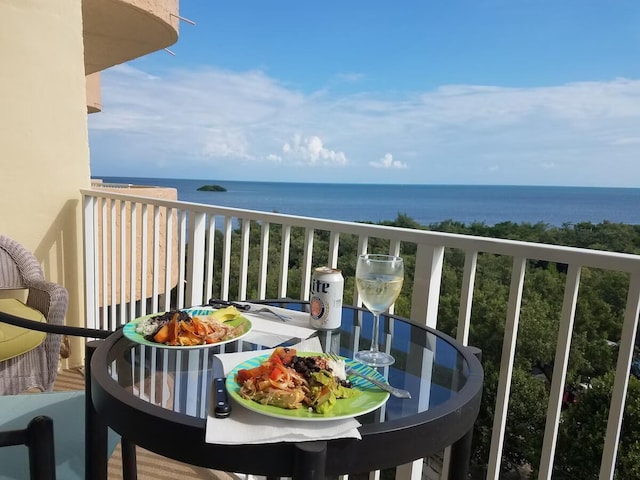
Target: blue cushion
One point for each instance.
(67, 411)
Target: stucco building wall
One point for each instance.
(43, 133)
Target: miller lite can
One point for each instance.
(325, 304)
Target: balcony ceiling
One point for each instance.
(116, 31)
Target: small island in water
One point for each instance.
(212, 188)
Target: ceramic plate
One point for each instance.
(129, 330)
(372, 397)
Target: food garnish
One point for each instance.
(289, 381)
(178, 328)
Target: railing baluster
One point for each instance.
(464, 320)
(334, 243)
(168, 252)
(144, 258)
(113, 285)
(466, 296)
(506, 366)
(560, 364)
(426, 284)
(196, 260)
(394, 249)
(226, 258)
(90, 259)
(285, 244)
(619, 394)
(123, 262)
(104, 264)
(307, 263)
(182, 249)
(133, 263)
(210, 271)
(155, 263)
(363, 243)
(244, 259)
(264, 260)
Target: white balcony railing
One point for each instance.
(170, 245)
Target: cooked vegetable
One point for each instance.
(286, 380)
(177, 327)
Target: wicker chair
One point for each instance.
(38, 367)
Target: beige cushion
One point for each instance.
(14, 340)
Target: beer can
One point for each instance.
(325, 303)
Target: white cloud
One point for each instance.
(246, 125)
(388, 162)
(311, 151)
(224, 143)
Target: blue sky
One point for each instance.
(494, 92)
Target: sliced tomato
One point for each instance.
(279, 373)
(283, 355)
(280, 377)
(274, 359)
(255, 372)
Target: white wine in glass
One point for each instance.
(379, 281)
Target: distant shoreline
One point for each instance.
(429, 185)
(426, 204)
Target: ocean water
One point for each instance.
(426, 204)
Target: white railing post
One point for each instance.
(307, 264)
(334, 243)
(210, 254)
(90, 274)
(133, 262)
(506, 367)
(196, 260)
(168, 258)
(182, 253)
(264, 260)
(619, 394)
(104, 264)
(244, 259)
(466, 297)
(226, 258)
(144, 258)
(426, 284)
(285, 243)
(123, 262)
(560, 364)
(155, 262)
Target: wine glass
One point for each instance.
(379, 280)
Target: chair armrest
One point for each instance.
(49, 298)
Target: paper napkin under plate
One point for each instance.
(269, 331)
(246, 426)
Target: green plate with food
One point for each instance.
(189, 328)
(304, 386)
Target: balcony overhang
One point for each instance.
(116, 31)
(94, 102)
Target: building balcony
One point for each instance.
(116, 31)
(200, 251)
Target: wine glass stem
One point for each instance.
(374, 334)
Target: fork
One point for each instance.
(396, 392)
(281, 316)
(246, 307)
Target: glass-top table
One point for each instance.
(158, 398)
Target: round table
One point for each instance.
(153, 397)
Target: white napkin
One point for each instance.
(245, 426)
(269, 331)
